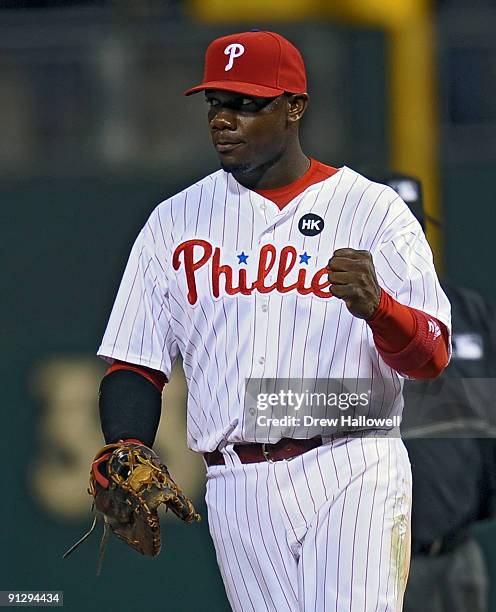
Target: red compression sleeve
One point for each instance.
(154, 376)
(409, 340)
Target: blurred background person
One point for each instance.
(453, 462)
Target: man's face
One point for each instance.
(247, 132)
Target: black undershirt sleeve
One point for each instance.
(130, 407)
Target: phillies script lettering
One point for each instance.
(236, 281)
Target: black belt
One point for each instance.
(442, 545)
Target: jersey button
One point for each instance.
(265, 308)
(261, 360)
(263, 206)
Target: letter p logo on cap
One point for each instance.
(263, 64)
(234, 50)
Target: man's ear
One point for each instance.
(297, 105)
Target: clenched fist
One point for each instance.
(353, 279)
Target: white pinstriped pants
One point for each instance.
(326, 531)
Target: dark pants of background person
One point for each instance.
(456, 581)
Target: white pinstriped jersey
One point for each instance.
(222, 276)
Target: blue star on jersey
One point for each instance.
(304, 257)
(242, 258)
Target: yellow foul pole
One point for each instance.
(413, 112)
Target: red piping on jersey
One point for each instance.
(158, 379)
(316, 173)
(409, 340)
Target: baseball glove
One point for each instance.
(128, 483)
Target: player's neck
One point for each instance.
(286, 169)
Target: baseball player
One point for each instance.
(278, 266)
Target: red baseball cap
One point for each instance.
(256, 63)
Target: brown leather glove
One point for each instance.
(128, 483)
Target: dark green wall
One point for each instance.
(469, 215)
